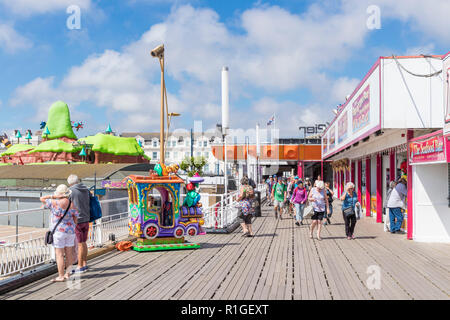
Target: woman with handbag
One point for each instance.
(246, 193)
(63, 220)
(350, 201)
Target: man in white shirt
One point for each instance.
(396, 202)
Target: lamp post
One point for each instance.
(158, 52)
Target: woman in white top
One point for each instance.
(319, 200)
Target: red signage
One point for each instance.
(428, 150)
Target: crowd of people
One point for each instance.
(292, 197)
(69, 225)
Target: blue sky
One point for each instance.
(297, 59)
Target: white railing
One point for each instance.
(21, 250)
(24, 250)
(224, 213)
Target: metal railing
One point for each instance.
(224, 213)
(21, 250)
(24, 250)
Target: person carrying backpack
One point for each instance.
(80, 196)
(299, 198)
(279, 192)
(246, 194)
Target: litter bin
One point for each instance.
(257, 204)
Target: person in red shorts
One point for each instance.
(80, 198)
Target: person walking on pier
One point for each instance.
(63, 221)
(299, 198)
(386, 218)
(319, 201)
(81, 199)
(396, 202)
(330, 195)
(270, 183)
(308, 184)
(350, 199)
(246, 193)
(290, 191)
(279, 196)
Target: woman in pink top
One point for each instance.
(299, 198)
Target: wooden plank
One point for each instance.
(219, 283)
(244, 268)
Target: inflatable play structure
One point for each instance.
(157, 218)
(60, 144)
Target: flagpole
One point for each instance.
(274, 128)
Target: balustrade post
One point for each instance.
(98, 232)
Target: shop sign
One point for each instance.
(342, 127)
(114, 184)
(429, 150)
(361, 110)
(332, 137)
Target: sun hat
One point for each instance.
(62, 191)
(319, 184)
(196, 178)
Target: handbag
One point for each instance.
(49, 234)
(348, 212)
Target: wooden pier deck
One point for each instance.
(280, 262)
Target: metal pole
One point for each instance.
(257, 153)
(246, 158)
(161, 123)
(225, 162)
(192, 144)
(17, 221)
(9, 209)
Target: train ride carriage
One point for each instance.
(157, 218)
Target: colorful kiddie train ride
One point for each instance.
(157, 219)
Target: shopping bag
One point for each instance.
(308, 212)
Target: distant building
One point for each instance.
(178, 147)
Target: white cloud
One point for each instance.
(425, 49)
(11, 41)
(274, 51)
(30, 7)
(342, 88)
(427, 17)
(277, 51)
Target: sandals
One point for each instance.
(58, 280)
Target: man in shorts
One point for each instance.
(279, 193)
(81, 200)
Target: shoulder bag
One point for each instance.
(49, 234)
(350, 211)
